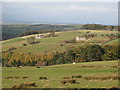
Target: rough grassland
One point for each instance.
(56, 73)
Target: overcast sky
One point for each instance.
(61, 12)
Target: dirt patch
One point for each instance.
(8, 77)
(103, 77)
(73, 76)
(69, 81)
(24, 77)
(67, 77)
(94, 66)
(76, 76)
(25, 85)
(15, 77)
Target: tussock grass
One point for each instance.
(103, 77)
(57, 73)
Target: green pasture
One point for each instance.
(53, 43)
(56, 73)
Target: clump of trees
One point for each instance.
(24, 44)
(32, 40)
(52, 34)
(99, 27)
(9, 50)
(30, 32)
(111, 52)
(85, 53)
(70, 41)
(87, 36)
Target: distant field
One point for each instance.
(13, 40)
(13, 30)
(56, 73)
(53, 43)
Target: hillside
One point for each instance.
(14, 30)
(58, 70)
(54, 43)
(86, 75)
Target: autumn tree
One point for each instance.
(94, 53)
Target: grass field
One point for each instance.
(56, 73)
(53, 43)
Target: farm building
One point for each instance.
(80, 38)
(39, 36)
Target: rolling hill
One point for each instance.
(54, 43)
(99, 74)
(14, 30)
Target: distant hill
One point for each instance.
(13, 30)
(61, 41)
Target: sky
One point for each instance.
(60, 12)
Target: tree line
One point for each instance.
(15, 30)
(99, 27)
(31, 32)
(85, 53)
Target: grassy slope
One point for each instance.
(53, 43)
(13, 30)
(113, 42)
(56, 73)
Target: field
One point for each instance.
(101, 74)
(53, 43)
(55, 75)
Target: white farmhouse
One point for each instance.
(39, 36)
(77, 38)
(80, 38)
